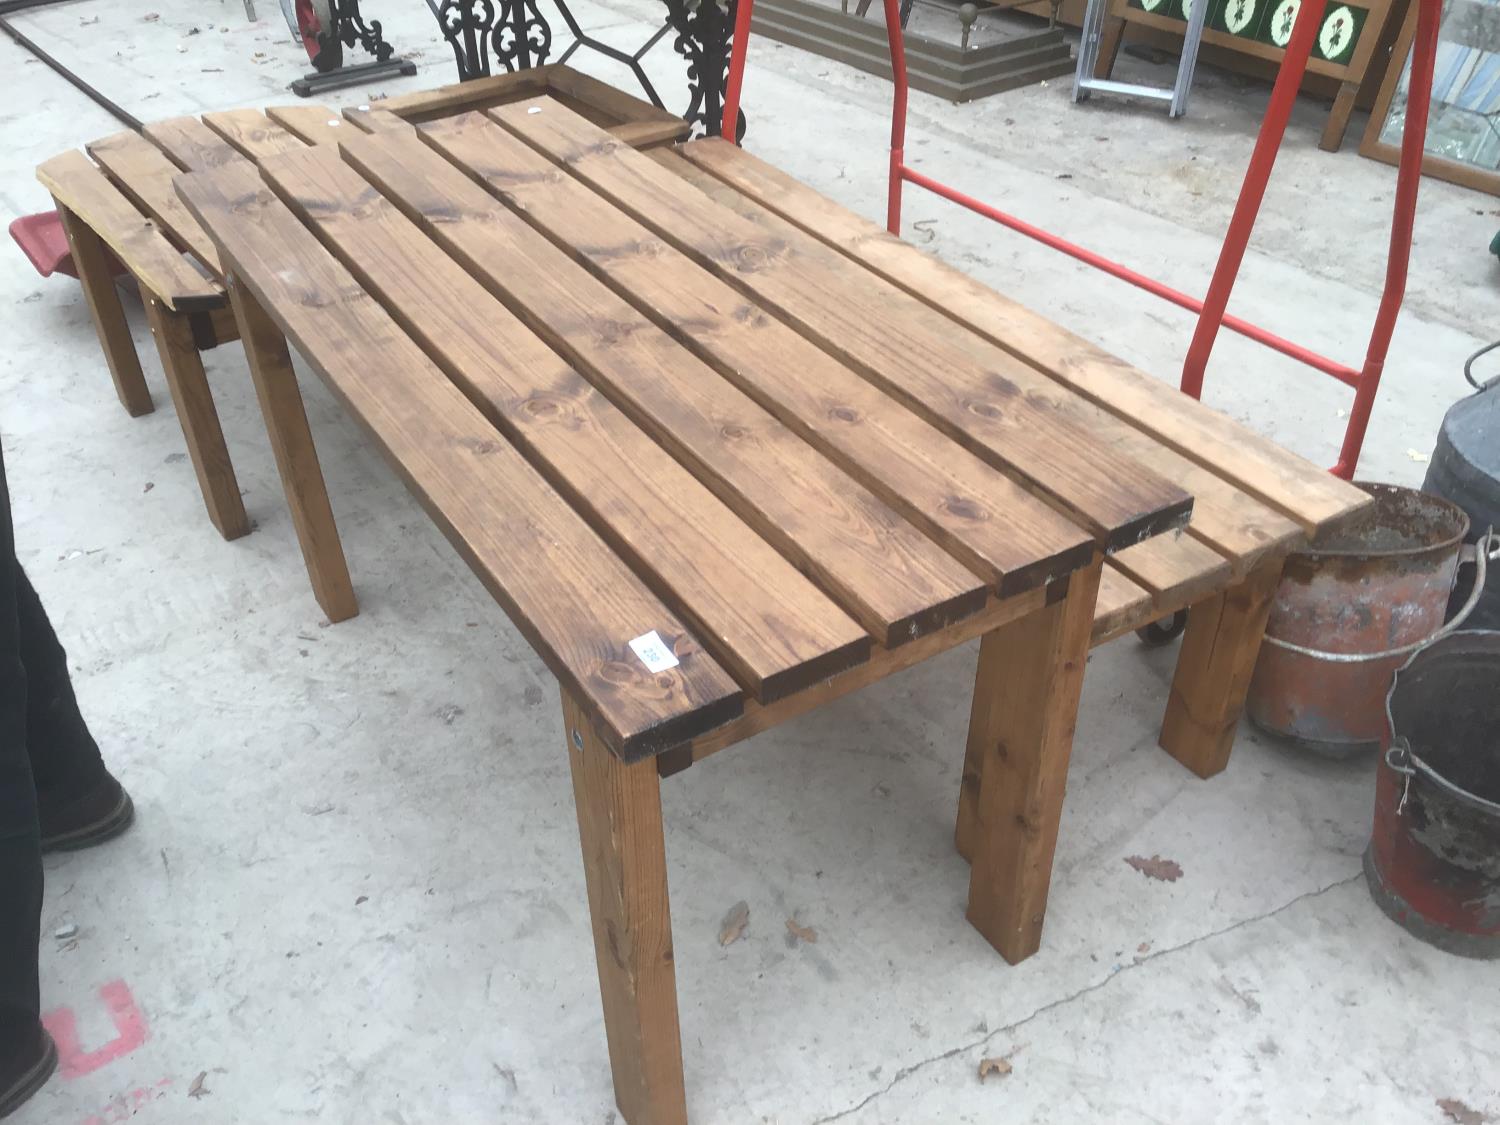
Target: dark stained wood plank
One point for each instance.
(1293, 486)
(252, 133)
(625, 871)
(895, 581)
(1004, 410)
(143, 172)
(459, 96)
(637, 123)
(1233, 522)
(191, 144)
(581, 607)
(133, 236)
(759, 616)
(994, 526)
(314, 124)
(97, 279)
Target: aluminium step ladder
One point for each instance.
(1176, 95)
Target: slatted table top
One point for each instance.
(670, 397)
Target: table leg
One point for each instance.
(1016, 764)
(1218, 655)
(91, 260)
(625, 867)
(198, 418)
(296, 457)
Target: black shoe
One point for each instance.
(98, 814)
(27, 1071)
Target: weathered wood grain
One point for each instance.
(896, 582)
(143, 172)
(997, 528)
(1293, 486)
(581, 608)
(1004, 410)
(252, 133)
(758, 616)
(192, 145)
(314, 124)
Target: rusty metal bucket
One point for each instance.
(1433, 863)
(1349, 611)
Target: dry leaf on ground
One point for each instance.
(999, 1067)
(798, 930)
(1456, 1110)
(733, 926)
(197, 1090)
(1167, 870)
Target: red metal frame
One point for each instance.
(1211, 309)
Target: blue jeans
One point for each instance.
(45, 748)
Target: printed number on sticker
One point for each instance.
(654, 653)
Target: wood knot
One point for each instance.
(843, 414)
(963, 508)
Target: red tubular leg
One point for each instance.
(1247, 207)
(730, 124)
(899, 171)
(1408, 179)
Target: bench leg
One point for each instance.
(296, 457)
(200, 421)
(625, 867)
(1218, 655)
(1020, 737)
(92, 262)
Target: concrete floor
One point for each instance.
(354, 891)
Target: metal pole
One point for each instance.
(1247, 207)
(898, 171)
(1408, 180)
(729, 125)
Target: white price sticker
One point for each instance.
(654, 653)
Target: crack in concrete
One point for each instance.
(907, 1071)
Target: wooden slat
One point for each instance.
(758, 615)
(1230, 520)
(1293, 486)
(368, 120)
(1122, 605)
(891, 578)
(574, 600)
(638, 123)
(985, 519)
(191, 144)
(252, 132)
(998, 406)
(144, 173)
(459, 96)
(84, 190)
(315, 124)
(1174, 565)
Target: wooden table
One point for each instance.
(726, 452)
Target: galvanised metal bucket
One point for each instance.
(1433, 863)
(1348, 612)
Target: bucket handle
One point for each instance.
(1469, 369)
(1477, 555)
(1404, 760)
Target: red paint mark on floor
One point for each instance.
(130, 1028)
(122, 1107)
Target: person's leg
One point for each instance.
(79, 803)
(26, 1054)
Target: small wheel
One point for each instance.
(1163, 632)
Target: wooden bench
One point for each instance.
(676, 395)
(123, 200)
